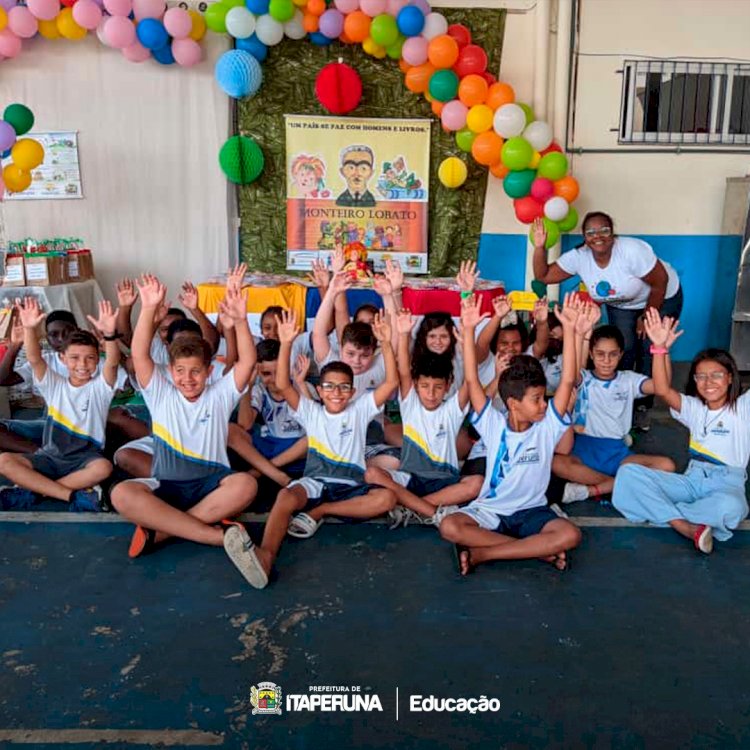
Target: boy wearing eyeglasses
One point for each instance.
(333, 483)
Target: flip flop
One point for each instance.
(142, 542)
(703, 539)
(241, 551)
(303, 526)
(457, 550)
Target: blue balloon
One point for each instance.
(238, 73)
(259, 7)
(254, 46)
(152, 34)
(5, 154)
(320, 39)
(163, 55)
(410, 20)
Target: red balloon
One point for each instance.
(471, 59)
(554, 146)
(460, 33)
(338, 88)
(68, 3)
(489, 78)
(542, 189)
(528, 209)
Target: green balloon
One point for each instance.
(281, 10)
(553, 166)
(215, 17)
(241, 159)
(539, 288)
(569, 222)
(528, 111)
(517, 153)
(394, 51)
(464, 139)
(443, 85)
(553, 232)
(518, 184)
(383, 30)
(20, 117)
(234, 3)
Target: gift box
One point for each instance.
(79, 265)
(15, 270)
(45, 269)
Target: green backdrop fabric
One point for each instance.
(455, 216)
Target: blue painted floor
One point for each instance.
(642, 644)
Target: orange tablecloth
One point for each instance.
(288, 296)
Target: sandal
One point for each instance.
(703, 539)
(241, 551)
(458, 550)
(303, 526)
(142, 542)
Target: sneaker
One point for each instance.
(704, 539)
(642, 419)
(85, 501)
(402, 516)
(440, 514)
(17, 498)
(574, 493)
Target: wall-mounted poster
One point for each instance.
(357, 180)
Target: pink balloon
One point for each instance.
(118, 7)
(22, 23)
(414, 50)
(119, 32)
(453, 115)
(423, 5)
(373, 7)
(8, 4)
(10, 44)
(331, 23)
(186, 52)
(148, 9)
(541, 189)
(347, 6)
(87, 14)
(394, 6)
(177, 22)
(136, 53)
(44, 10)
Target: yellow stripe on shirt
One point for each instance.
(696, 447)
(161, 432)
(327, 453)
(418, 440)
(56, 416)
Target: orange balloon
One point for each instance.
(499, 170)
(487, 148)
(418, 78)
(316, 7)
(472, 90)
(344, 39)
(499, 94)
(357, 26)
(437, 108)
(442, 51)
(567, 187)
(310, 23)
(403, 65)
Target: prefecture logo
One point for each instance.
(265, 698)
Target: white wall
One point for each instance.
(149, 138)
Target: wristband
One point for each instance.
(113, 337)
(658, 349)
(466, 295)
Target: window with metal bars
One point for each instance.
(669, 101)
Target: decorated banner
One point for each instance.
(356, 180)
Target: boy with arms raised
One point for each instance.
(334, 479)
(192, 487)
(510, 519)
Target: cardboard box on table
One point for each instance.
(45, 269)
(15, 270)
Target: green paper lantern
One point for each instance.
(443, 85)
(464, 139)
(518, 184)
(241, 160)
(19, 117)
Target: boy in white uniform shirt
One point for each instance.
(334, 480)
(510, 518)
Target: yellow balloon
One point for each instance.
(199, 26)
(67, 26)
(373, 48)
(479, 118)
(16, 179)
(300, 3)
(27, 153)
(452, 172)
(535, 159)
(3, 18)
(48, 29)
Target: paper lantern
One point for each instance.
(452, 172)
(338, 88)
(238, 73)
(241, 160)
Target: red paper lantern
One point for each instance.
(338, 88)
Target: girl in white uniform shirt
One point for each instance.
(708, 500)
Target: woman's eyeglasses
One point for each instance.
(601, 232)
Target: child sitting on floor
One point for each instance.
(192, 487)
(334, 479)
(70, 464)
(510, 518)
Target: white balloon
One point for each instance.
(509, 120)
(434, 25)
(294, 29)
(240, 22)
(100, 30)
(269, 30)
(556, 208)
(538, 134)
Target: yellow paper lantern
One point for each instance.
(48, 29)
(452, 172)
(27, 153)
(3, 18)
(16, 179)
(479, 118)
(199, 26)
(67, 26)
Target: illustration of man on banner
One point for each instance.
(357, 167)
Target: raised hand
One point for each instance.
(673, 334)
(16, 330)
(319, 275)
(338, 260)
(502, 362)
(233, 308)
(340, 282)
(585, 322)
(382, 286)
(539, 233)
(405, 321)
(106, 323)
(471, 314)
(381, 327)
(395, 275)
(287, 326)
(236, 276)
(541, 310)
(189, 296)
(152, 292)
(29, 312)
(501, 306)
(126, 292)
(467, 276)
(301, 368)
(568, 314)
